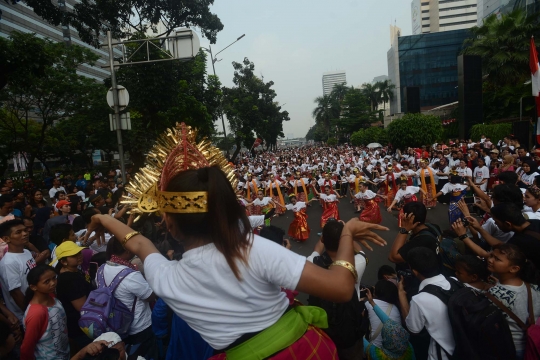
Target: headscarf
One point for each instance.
(395, 339)
(508, 160)
(532, 166)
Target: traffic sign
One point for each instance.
(123, 97)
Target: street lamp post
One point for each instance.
(214, 60)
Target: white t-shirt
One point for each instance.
(328, 198)
(427, 310)
(133, 286)
(464, 171)
(365, 195)
(410, 190)
(481, 174)
(530, 214)
(54, 190)
(13, 270)
(202, 289)
(256, 220)
(296, 207)
(449, 187)
(375, 322)
(491, 227)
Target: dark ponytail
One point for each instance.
(33, 278)
(114, 247)
(225, 224)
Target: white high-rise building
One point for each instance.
(429, 16)
(329, 79)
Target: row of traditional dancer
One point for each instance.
(365, 201)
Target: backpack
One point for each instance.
(479, 327)
(102, 312)
(531, 329)
(448, 250)
(346, 323)
(444, 296)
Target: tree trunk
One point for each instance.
(238, 147)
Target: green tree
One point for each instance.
(386, 91)
(369, 135)
(32, 101)
(356, 112)
(164, 93)
(326, 111)
(251, 108)
(93, 18)
(372, 94)
(317, 133)
(503, 44)
(414, 130)
(495, 132)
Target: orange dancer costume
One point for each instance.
(330, 208)
(371, 212)
(299, 187)
(298, 229)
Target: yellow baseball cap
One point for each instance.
(67, 248)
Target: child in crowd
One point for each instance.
(514, 272)
(45, 320)
(472, 272)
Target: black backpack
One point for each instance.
(346, 322)
(479, 327)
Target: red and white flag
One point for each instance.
(535, 81)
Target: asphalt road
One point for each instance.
(379, 256)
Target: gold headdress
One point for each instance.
(176, 150)
(454, 172)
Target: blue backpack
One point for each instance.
(102, 312)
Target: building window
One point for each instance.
(426, 18)
(425, 25)
(455, 16)
(458, 8)
(459, 23)
(424, 3)
(425, 11)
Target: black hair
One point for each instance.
(508, 193)
(5, 199)
(5, 332)
(331, 234)
(164, 246)
(59, 233)
(33, 278)
(32, 201)
(417, 209)
(508, 212)
(273, 233)
(5, 228)
(230, 231)
(78, 224)
(527, 271)
(508, 177)
(88, 213)
(387, 291)
(385, 270)
(57, 194)
(474, 266)
(424, 261)
(114, 247)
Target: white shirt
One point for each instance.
(256, 220)
(54, 190)
(296, 207)
(202, 289)
(375, 322)
(481, 174)
(410, 190)
(449, 187)
(464, 171)
(365, 195)
(491, 228)
(132, 287)
(530, 214)
(13, 270)
(429, 311)
(263, 202)
(328, 198)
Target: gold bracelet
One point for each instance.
(347, 265)
(129, 236)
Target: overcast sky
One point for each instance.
(294, 42)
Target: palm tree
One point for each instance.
(372, 93)
(386, 91)
(503, 44)
(325, 111)
(339, 91)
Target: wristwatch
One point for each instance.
(403, 231)
(463, 237)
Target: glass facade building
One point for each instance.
(429, 61)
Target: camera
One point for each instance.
(407, 274)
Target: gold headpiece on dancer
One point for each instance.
(454, 172)
(175, 150)
(425, 161)
(403, 178)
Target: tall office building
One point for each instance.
(329, 79)
(498, 7)
(428, 62)
(430, 16)
(22, 18)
